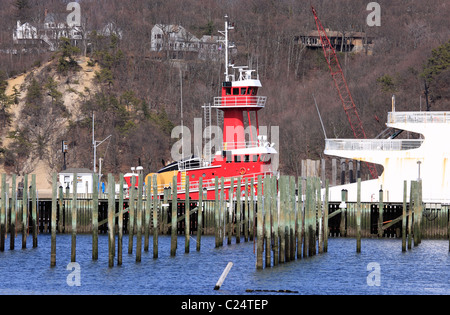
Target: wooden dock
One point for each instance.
(289, 219)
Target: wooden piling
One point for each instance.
(380, 214)
(300, 214)
(33, 211)
(293, 206)
(358, 217)
(405, 191)
(230, 211)
(222, 208)
(410, 215)
(53, 224)
(325, 218)
(12, 228)
(199, 213)
(148, 193)
(216, 213)
(94, 216)
(111, 202)
(282, 221)
(25, 211)
(308, 231)
(246, 210)
(416, 210)
(74, 218)
(139, 219)
(131, 210)
(61, 209)
(274, 214)
(238, 209)
(4, 193)
(173, 238)
(259, 227)
(155, 217)
(120, 237)
(252, 209)
(286, 208)
(187, 215)
(267, 223)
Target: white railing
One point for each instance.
(240, 101)
(418, 117)
(373, 144)
(241, 145)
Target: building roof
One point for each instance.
(330, 33)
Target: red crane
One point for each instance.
(342, 88)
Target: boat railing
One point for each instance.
(373, 144)
(210, 183)
(242, 145)
(240, 101)
(418, 117)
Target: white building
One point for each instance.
(179, 43)
(83, 180)
(49, 32)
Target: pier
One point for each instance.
(287, 218)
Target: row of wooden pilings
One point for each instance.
(284, 220)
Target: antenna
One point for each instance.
(225, 41)
(320, 117)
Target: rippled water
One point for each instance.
(423, 270)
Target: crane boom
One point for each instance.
(341, 85)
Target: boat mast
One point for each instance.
(225, 41)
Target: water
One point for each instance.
(423, 270)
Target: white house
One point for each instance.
(25, 31)
(179, 43)
(50, 31)
(83, 181)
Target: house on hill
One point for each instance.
(341, 41)
(178, 43)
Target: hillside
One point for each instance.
(136, 95)
(71, 90)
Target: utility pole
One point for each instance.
(95, 143)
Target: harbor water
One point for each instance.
(381, 268)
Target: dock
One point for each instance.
(287, 218)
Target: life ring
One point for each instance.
(242, 171)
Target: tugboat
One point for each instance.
(238, 158)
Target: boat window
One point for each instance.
(237, 158)
(255, 158)
(229, 157)
(247, 158)
(235, 91)
(254, 90)
(265, 158)
(243, 91)
(227, 91)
